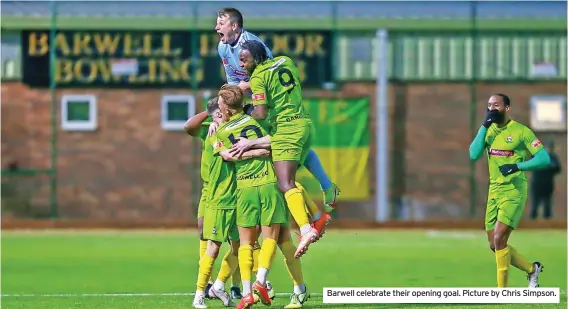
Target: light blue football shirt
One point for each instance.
(230, 58)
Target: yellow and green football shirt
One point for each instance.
(276, 82)
(510, 144)
(251, 172)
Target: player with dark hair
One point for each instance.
(232, 35)
(277, 97)
(508, 145)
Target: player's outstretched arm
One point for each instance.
(193, 124)
(250, 154)
(476, 147)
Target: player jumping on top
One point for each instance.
(232, 35)
(277, 97)
(508, 145)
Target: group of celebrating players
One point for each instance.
(250, 156)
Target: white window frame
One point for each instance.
(542, 125)
(171, 125)
(79, 125)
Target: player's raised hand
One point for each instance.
(212, 128)
(490, 118)
(508, 169)
(240, 147)
(244, 85)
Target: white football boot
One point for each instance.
(199, 301)
(533, 278)
(222, 295)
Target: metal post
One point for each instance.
(381, 129)
(472, 107)
(195, 149)
(53, 135)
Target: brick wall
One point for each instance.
(130, 168)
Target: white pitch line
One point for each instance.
(123, 295)
(562, 292)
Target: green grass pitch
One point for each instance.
(161, 263)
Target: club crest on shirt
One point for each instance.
(214, 231)
(509, 139)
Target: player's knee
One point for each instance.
(246, 242)
(213, 249)
(499, 241)
(286, 185)
(235, 248)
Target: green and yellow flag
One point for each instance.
(341, 141)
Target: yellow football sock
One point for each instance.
(202, 250)
(503, 259)
(267, 252)
(205, 268)
(245, 262)
(520, 261)
(293, 264)
(297, 206)
(228, 266)
(236, 278)
(202, 247)
(255, 253)
(312, 208)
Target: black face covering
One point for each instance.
(497, 116)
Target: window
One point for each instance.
(176, 109)
(79, 112)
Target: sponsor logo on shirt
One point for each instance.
(501, 153)
(536, 143)
(258, 97)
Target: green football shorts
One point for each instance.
(292, 141)
(220, 225)
(506, 207)
(262, 205)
